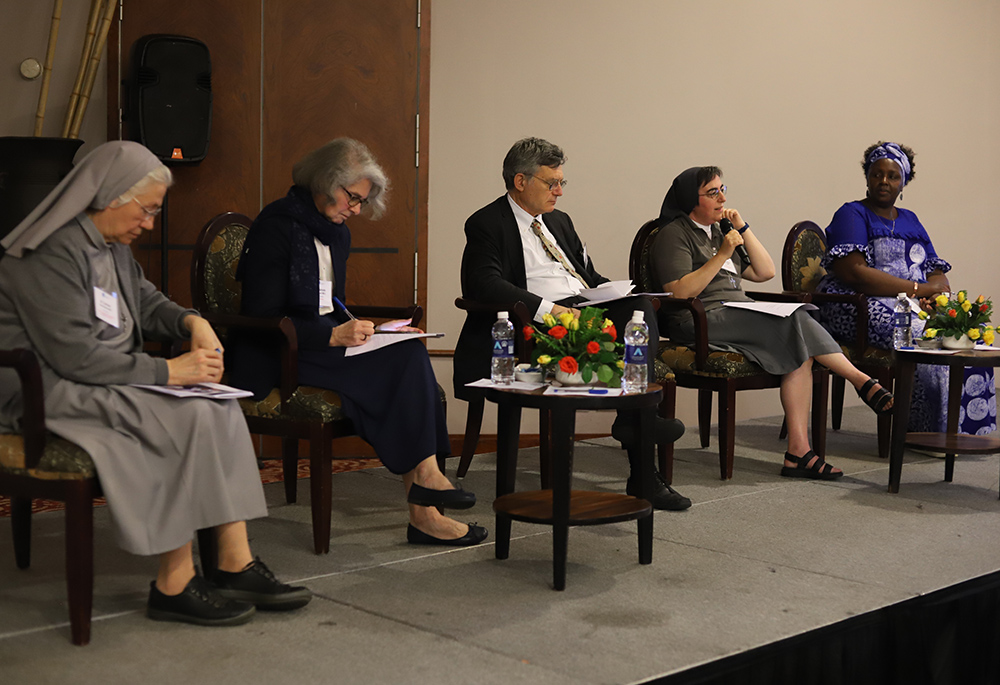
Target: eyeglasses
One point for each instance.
(150, 213)
(354, 200)
(714, 192)
(553, 183)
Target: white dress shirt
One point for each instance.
(546, 277)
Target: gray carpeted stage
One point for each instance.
(756, 559)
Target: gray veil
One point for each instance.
(100, 177)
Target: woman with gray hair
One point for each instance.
(294, 265)
(71, 292)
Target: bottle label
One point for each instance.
(635, 354)
(503, 348)
(902, 319)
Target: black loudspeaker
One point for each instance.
(169, 94)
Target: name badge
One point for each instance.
(106, 307)
(325, 294)
(729, 266)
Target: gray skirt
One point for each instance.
(778, 344)
(168, 466)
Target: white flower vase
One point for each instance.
(953, 343)
(570, 378)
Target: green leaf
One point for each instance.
(604, 373)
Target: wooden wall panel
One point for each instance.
(228, 178)
(341, 68)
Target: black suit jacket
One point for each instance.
(493, 271)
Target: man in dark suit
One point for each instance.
(521, 248)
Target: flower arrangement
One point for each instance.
(585, 344)
(959, 316)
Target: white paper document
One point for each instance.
(212, 391)
(606, 292)
(384, 338)
(600, 392)
(781, 309)
(513, 385)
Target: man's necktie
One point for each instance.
(555, 254)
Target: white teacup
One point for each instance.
(526, 373)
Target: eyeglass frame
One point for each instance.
(150, 213)
(714, 192)
(353, 200)
(561, 182)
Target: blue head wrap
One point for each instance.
(893, 152)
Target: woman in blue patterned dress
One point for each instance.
(878, 249)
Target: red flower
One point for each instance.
(952, 313)
(528, 331)
(983, 307)
(593, 347)
(610, 330)
(558, 332)
(569, 365)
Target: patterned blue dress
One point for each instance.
(903, 249)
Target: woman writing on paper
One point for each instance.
(692, 257)
(294, 264)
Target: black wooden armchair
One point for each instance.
(801, 272)
(719, 372)
(290, 411)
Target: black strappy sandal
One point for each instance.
(819, 470)
(879, 400)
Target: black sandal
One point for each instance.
(879, 399)
(820, 470)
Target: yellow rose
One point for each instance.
(961, 297)
(544, 359)
(621, 363)
(980, 299)
(973, 334)
(607, 322)
(573, 325)
(988, 337)
(941, 300)
(565, 318)
(930, 333)
(549, 320)
(922, 314)
(966, 306)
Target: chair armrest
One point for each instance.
(413, 311)
(518, 312)
(280, 327)
(697, 309)
(784, 296)
(32, 399)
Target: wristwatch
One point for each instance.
(743, 230)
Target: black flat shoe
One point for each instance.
(258, 586)
(476, 534)
(448, 499)
(664, 497)
(199, 603)
(665, 431)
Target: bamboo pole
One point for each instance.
(50, 54)
(91, 76)
(88, 42)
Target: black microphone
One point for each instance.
(725, 225)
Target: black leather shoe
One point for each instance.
(664, 496)
(448, 499)
(664, 431)
(258, 586)
(198, 603)
(476, 534)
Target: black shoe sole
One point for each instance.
(239, 619)
(425, 497)
(476, 534)
(288, 601)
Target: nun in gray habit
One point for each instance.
(71, 292)
(692, 256)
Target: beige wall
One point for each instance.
(784, 95)
(24, 32)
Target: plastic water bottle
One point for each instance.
(636, 354)
(902, 334)
(502, 371)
